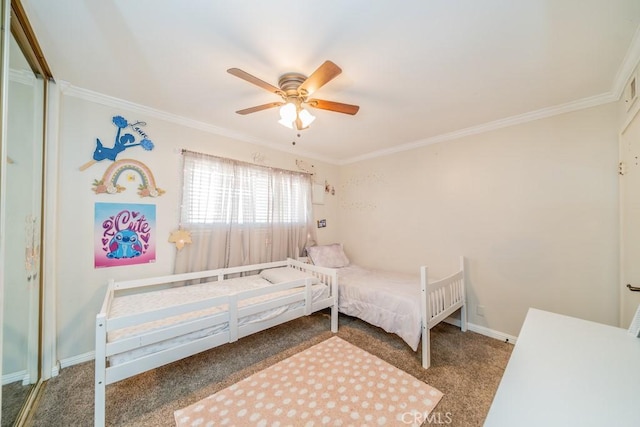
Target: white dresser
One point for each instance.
(569, 372)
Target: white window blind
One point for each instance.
(223, 191)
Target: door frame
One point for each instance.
(632, 113)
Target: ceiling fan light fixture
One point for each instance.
(287, 115)
(306, 118)
(285, 123)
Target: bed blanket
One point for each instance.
(388, 300)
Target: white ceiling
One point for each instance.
(421, 70)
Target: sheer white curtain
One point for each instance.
(240, 213)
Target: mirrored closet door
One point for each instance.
(22, 147)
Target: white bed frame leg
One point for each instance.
(424, 313)
(463, 309)
(334, 319)
(334, 307)
(100, 371)
(426, 350)
(332, 279)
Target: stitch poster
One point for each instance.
(124, 234)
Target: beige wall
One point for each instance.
(534, 208)
(79, 286)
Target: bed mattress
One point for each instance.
(148, 301)
(388, 300)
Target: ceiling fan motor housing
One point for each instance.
(290, 82)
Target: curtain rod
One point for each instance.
(184, 150)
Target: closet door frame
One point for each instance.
(15, 25)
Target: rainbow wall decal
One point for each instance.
(109, 182)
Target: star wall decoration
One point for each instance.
(180, 237)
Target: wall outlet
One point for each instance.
(480, 310)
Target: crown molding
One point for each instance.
(627, 67)
(629, 64)
(589, 102)
(68, 89)
(631, 60)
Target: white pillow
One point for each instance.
(285, 274)
(328, 255)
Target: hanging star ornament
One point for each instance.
(180, 237)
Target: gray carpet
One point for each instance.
(14, 395)
(466, 367)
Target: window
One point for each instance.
(222, 191)
(240, 213)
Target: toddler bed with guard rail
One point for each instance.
(147, 323)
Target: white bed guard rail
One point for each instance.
(292, 299)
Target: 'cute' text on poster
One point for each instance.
(124, 234)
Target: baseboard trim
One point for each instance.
(75, 360)
(482, 330)
(15, 377)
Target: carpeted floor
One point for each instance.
(14, 395)
(466, 367)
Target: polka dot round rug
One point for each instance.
(332, 383)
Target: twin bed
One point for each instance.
(407, 305)
(147, 323)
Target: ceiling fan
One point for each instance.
(295, 90)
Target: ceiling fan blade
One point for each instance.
(325, 73)
(256, 81)
(333, 106)
(259, 108)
